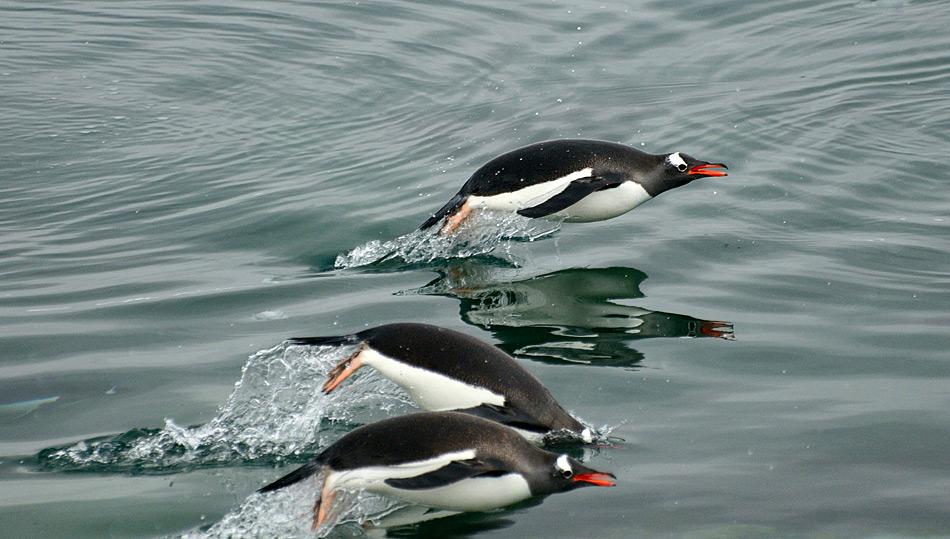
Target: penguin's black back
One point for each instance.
(470, 360)
(545, 161)
(425, 435)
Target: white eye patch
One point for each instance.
(562, 464)
(587, 435)
(677, 161)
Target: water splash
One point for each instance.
(275, 411)
(288, 512)
(481, 233)
(602, 436)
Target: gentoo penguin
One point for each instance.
(571, 180)
(445, 460)
(442, 369)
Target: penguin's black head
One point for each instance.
(565, 473)
(676, 170)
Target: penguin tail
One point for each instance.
(295, 476)
(450, 208)
(332, 340)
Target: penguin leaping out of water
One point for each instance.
(442, 369)
(445, 460)
(570, 180)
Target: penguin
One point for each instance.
(442, 369)
(573, 180)
(444, 460)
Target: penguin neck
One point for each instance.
(652, 182)
(539, 474)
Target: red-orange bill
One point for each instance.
(709, 169)
(599, 479)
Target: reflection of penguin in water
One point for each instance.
(446, 460)
(570, 180)
(569, 315)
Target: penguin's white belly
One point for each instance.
(606, 204)
(597, 206)
(472, 494)
(430, 390)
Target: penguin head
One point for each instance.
(565, 473)
(676, 170)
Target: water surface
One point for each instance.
(177, 181)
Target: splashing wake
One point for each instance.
(275, 411)
(289, 513)
(481, 233)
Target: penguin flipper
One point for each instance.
(452, 472)
(573, 193)
(507, 416)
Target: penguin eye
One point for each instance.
(677, 161)
(563, 466)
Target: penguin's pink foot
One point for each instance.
(455, 220)
(343, 370)
(323, 507)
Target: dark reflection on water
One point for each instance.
(463, 525)
(573, 315)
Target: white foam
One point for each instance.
(482, 232)
(275, 410)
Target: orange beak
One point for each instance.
(708, 169)
(596, 478)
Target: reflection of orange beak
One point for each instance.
(596, 478)
(715, 328)
(708, 169)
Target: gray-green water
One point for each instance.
(177, 180)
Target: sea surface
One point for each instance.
(185, 185)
